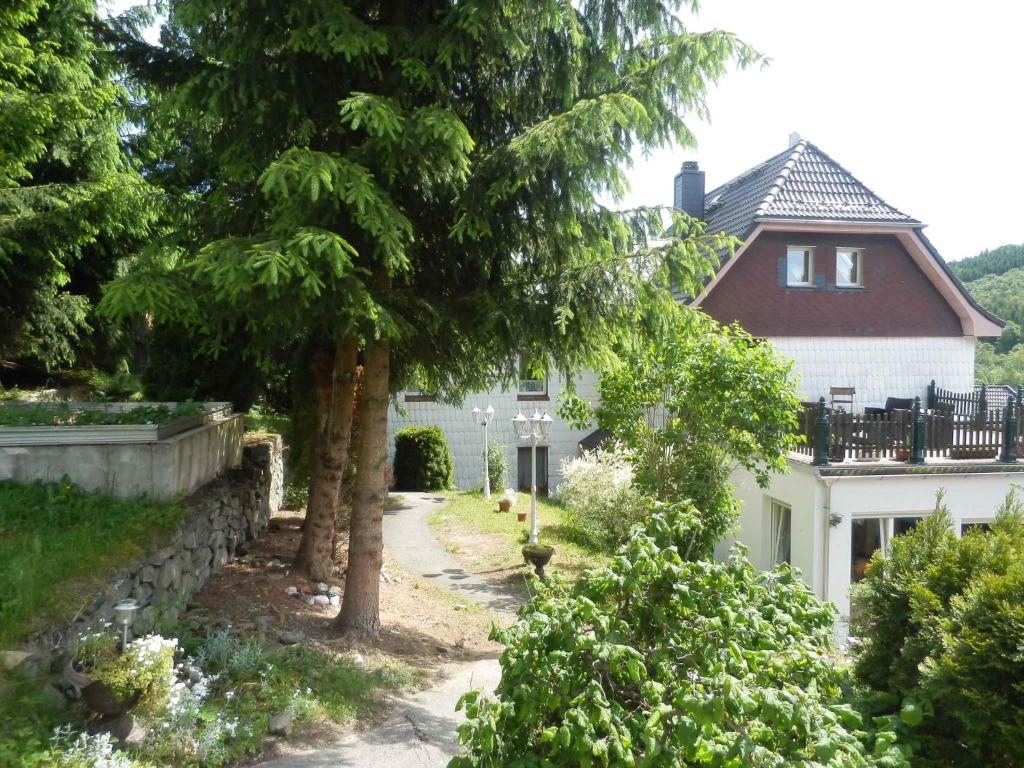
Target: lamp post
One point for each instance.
(535, 428)
(484, 418)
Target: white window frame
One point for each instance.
(537, 388)
(780, 514)
(859, 253)
(808, 251)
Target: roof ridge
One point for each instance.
(797, 151)
(845, 170)
(747, 173)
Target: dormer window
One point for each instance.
(799, 266)
(849, 267)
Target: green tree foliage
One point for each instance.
(995, 262)
(1001, 294)
(72, 202)
(940, 624)
(692, 405)
(423, 178)
(660, 659)
(423, 461)
(497, 466)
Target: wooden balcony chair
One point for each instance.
(842, 397)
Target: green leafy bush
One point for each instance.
(599, 494)
(497, 465)
(940, 625)
(422, 460)
(663, 660)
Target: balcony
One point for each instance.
(948, 427)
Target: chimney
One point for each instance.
(689, 190)
(794, 139)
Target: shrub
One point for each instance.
(940, 623)
(497, 465)
(662, 660)
(599, 494)
(422, 460)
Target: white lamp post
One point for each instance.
(124, 612)
(535, 428)
(484, 418)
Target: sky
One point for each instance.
(922, 100)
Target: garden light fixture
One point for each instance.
(535, 429)
(124, 613)
(484, 418)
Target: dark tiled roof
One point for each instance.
(799, 183)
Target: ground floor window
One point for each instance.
(872, 534)
(965, 527)
(781, 527)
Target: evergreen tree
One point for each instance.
(71, 201)
(419, 181)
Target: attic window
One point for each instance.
(799, 266)
(849, 267)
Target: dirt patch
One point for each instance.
(423, 627)
(421, 623)
(484, 554)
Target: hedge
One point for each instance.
(422, 460)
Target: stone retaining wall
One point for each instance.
(222, 516)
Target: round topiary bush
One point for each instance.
(422, 460)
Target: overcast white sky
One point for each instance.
(922, 100)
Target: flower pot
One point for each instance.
(902, 454)
(521, 517)
(538, 555)
(504, 505)
(96, 694)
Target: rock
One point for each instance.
(441, 650)
(321, 588)
(334, 592)
(126, 731)
(310, 601)
(458, 607)
(264, 623)
(293, 591)
(335, 600)
(291, 637)
(323, 600)
(13, 659)
(280, 724)
(305, 590)
(357, 659)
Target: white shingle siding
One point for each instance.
(879, 367)
(466, 437)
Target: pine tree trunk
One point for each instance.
(335, 386)
(360, 607)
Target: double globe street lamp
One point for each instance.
(535, 429)
(484, 418)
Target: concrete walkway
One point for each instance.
(420, 733)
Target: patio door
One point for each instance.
(523, 470)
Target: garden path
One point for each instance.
(420, 732)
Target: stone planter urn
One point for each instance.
(538, 555)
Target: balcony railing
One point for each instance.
(941, 432)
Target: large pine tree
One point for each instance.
(420, 181)
(71, 201)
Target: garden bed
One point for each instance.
(26, 424)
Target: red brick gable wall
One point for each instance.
(896, 300)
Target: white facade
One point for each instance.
(879, 367)
(466, 438)
(824, 508)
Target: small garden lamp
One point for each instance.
(536, 428)
(124, 613)
(484, 418)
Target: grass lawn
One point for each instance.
(490, 542)
(58, 544)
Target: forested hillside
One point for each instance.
(996, 280)
(995, 262)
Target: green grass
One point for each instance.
(260, 421)
(58, 544)
(499, 548)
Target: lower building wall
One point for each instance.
(466, 438)
(879, 367)
(823, 511)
